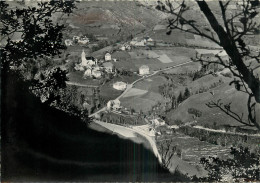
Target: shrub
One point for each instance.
(178, 122)
(194, 111)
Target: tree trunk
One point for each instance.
(230, 47)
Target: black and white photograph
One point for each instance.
(130, 90)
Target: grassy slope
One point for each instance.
(210, 115)
(90, 15)
(142, 102)
(151, 84)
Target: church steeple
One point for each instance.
(84, 61)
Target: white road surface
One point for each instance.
(130, 132)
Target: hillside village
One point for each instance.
(124, 70)
(171, 80)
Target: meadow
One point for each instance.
(143, 102)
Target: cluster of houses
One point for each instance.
(158, 127)
(77, 40)
(91, 68)
(144, 70)
(146, 41)
(120, 85)
(125, 47)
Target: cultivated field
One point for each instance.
(134, 92)
(191, 67)
(155, 59)
(142, 102)
(193, 149)
(152, 83)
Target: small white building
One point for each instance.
(143, 70)
(96, 68)
(149, 39)
(152, 132)
(120, 85)
(83, 40)
(108, 57)
(116, 105)
(123, 48)
(96, 74)
(88, 73)
(158, 122)
(76, 38)
(68, 42)
(113, 105)
(79, 67)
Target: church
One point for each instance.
(87, 61)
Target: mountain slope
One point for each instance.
(227, 94)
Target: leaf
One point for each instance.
(253, 14)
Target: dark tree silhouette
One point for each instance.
(243, 166)
(224, 31)
(29, 33)
(29, 36)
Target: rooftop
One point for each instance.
(144, 67)
(90, 58)
(120, 83)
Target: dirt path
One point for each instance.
(223, 131)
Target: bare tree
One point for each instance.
(167, 152)
(228, 32)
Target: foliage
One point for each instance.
(180, 98)
(186, 93)
(39, 35)
(244, 165)
(178, 122)
(48, 85)
(121, 119)
(194, 111)
(39, 39)
(198, 74)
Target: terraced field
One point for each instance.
(193, 149)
